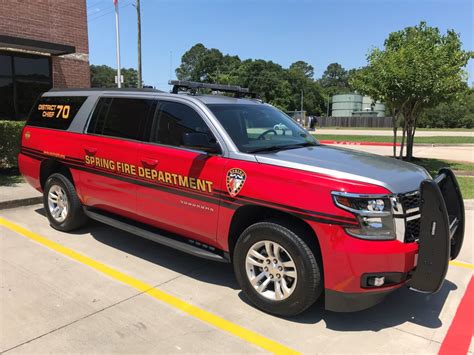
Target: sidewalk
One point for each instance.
(18, 195)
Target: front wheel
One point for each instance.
(62, 205)
(276, 269)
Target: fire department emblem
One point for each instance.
(27, 135)
(235, 181)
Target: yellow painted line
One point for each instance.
(196, 312)
(462, 264)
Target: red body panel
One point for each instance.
(180, 212)
(206, 214)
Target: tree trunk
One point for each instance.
(413, 115)
(394, 126)
(410, 143)
(402, 143)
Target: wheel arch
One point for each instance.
(247, 215)
(51, 166)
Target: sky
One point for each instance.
(284, 31)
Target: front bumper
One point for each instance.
(424, 262)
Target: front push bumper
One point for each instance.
(440, 240)
(441, 231)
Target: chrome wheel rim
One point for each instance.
(58, 203)
(271, 270)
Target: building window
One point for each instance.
(22, 79)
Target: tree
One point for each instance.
(417, 69)
(190, 63)
(103, 76)
(300, 78)
(456, 113)
(306, 69)
(206, 65)
(265, 78)
(275, 84)
(334, 76)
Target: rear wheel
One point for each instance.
(62, 205)
(276, 269)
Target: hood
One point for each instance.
(395, 175)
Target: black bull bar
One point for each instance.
(441, 230)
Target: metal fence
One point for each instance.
(354, 121)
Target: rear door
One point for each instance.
(110, 175)
(181, 181)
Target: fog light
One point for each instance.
(376, 281)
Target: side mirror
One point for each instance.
(201, 141)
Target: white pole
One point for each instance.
(117, 32)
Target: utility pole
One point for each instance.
(117, 35)
(327, 114)
(139, 32)
(302, 117)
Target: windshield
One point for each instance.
(259, 128)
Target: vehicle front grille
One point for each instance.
(410, 200)
(411, 205)
(412, 230)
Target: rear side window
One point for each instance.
(55, 112)
(121, 117)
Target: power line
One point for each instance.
(108, 12)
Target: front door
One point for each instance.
(182, 180)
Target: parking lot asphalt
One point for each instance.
(52, 301)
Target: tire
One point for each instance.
(301, 291)
(60, 192)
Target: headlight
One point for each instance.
(374, 214)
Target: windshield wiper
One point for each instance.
(273, 148)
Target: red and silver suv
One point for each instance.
(233, 179)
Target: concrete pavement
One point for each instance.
(376, 132)
(16, 195)
(50, 303)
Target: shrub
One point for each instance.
(10, 135)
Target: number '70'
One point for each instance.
(63, 111)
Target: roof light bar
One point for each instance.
(193, 86)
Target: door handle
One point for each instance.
(90, 150)
(149, 161)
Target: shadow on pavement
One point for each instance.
(398, 308)
(189, 265)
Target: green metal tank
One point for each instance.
(344, 105)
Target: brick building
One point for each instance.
(43, 44)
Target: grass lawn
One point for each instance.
(464, 173)
(389, 139)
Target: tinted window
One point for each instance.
(6, 98)
(22, 79)
(27, 93)
(5, 65)
(173, 121)
(34, 67)
(55, 112)
(121, 117)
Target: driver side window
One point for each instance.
(174, 122)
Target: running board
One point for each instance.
(156, 237)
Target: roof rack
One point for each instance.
(147, 89)
(193, 87)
